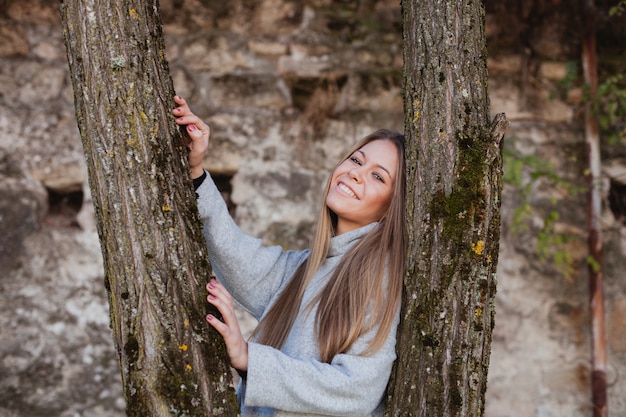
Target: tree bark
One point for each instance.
(454, 177)
(155, 259)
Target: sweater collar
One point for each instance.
(342, 243)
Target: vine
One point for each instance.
(522, 172)
(609, 106)
(609, 103)
(618, 9)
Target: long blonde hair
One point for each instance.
(357, 288)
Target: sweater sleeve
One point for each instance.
(351, 385)
(251, 272)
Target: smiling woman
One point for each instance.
(362, 186)
(326, 338)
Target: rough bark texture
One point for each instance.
(454, 185)
(154, 256)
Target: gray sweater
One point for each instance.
(292, 381)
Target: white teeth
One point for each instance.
(347, 190)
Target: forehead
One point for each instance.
(383, 153)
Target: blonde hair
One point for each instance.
(357, 288)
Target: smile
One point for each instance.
(347, 190)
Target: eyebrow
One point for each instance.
(378, 165)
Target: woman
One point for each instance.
(325, 343)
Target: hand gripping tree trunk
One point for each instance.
(454, 172)
(155, 259)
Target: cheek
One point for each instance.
(342, 167)
(385, 201)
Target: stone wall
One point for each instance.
(286, 87)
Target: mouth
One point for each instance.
(347, 190)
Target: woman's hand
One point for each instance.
(199, 133)
(236, 346)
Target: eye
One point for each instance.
(378, 177)
(356, 160)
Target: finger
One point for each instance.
(220, 298)
(198, 130)
(189, 119)
(194, 124)
(180, 101)
(228, 326)
(181, 108)
(223, 301)
(217, 324)
(222, 324)
(215, 287)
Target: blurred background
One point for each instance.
(287, 86)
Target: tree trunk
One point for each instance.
(155, 259)
(454, 170)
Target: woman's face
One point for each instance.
(361, 187)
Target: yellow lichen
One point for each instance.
(165, 207)
(478, 247)
(188, 367)
(416, 114)
(478, 311)
(133, 13)
(183, 347)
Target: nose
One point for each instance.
(355, 174)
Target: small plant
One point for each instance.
(609, 106)
(552, 246)
(568, 82)
(521, 172)
(618, 9)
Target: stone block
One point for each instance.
(13, 40)
(218, 54)
(555, 71)
(265, 91)
(23, 203)
(310, 66)
(267, 47)
(45, 85)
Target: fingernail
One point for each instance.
(192, 127)
(209, 317)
